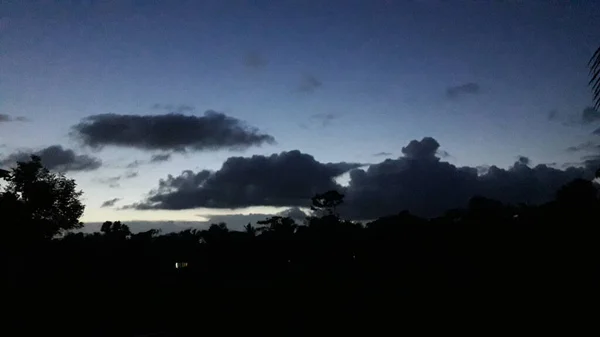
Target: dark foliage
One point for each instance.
(37, 204)
(594, 83)
(470, 267)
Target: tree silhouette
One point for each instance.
(250, 230)
(594, 65)
(44, 204)
(115, 229)
(278, 225)
(327, 202)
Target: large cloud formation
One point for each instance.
(55, 158)
(425, 185)
(285, 179)
(418, 181)
(169, 132)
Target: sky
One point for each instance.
(254, 99)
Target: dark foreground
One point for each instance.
(418, 280)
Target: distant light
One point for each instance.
(179, 265)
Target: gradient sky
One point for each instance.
(340, 80)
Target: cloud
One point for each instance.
(254, 60)
(7, 119)
(157, 158)
(238, 221)
(590, 115)
(169, 132)
(552, 115)
(443, 154)
(419, 181)
(110, 203)
(382, 154)
(424, 149)
(585, 146)
(55, 158)
(463, 90)
(170, 108)
(523, 160)
(113, 182)
(427, 186)
(135, 164)
(285, 179)
(309, 83)
(295, 213)
(324, 119)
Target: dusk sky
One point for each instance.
(121, 94)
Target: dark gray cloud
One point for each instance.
(110, 202)
(424, 149)
(169, 132)
(523, 160)
(55, 158)
(158, 158)
(309, 83)
(427, 186)
(552, 115)
(323, 119)
(590, 115)
(382, 154)
(7, 119)
(462, 90)
(418, 181)
(254, 60)
(285, 179)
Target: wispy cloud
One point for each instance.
(173, 108)
(465, 89)
(255, 60)
(7, 119)
(309, 83)
(324, 119)
(110, 203)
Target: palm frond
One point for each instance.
(594, 83)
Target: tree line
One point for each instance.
(487, 249)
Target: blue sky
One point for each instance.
(340, 80)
